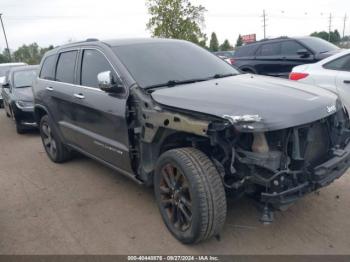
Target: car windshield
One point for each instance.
(23, 78)
(318, 45)
(171, 63)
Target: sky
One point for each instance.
(59, 21)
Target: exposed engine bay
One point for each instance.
(275, 167)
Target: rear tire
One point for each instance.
(54, 147)
(190, 195)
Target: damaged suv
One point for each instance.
(171, 115)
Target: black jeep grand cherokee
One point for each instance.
(170, 114)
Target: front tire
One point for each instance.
(190, 195)
(54, 147)
(19, 128)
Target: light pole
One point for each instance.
(7, 44)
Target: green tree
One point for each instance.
(239, 41)
(214, 43)
(203, 42)
(333, 37)
(226, 46)
(177, 19)
(30, 54)
(4, 56)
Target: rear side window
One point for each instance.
(248, 50)
(271, 49)
(342, 64)
(290, 48)
(65, 67)
(48, 68)
(93, 63)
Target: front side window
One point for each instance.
(23, 78)
(272, 49)
(342, 63)
(318, 45)
(290, 48)
(93, 63)
(65, 67)
(48, 68)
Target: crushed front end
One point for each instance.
(279, 167)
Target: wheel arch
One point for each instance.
(165, 140)
(39, 112)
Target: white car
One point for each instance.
(332, 73)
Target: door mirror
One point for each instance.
(3, 82)
(304, 53)
(107, 83)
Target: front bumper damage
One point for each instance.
(321, 176)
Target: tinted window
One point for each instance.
(291, 48)
(318, 45)
(157, 63)
(93, 63)
(342, 63)
(270, 49)
(248, 50)
(65, 67)
(48, 68)
(228, 54)
(23, 78)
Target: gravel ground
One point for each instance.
(82, 207)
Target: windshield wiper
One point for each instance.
(172, 83)
(22, 86)
(223, 75)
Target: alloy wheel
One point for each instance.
(49, 141)
(175, 197)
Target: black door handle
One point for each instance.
(346, 81)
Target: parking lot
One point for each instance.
(82, 207)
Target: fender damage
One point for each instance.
(254, 155)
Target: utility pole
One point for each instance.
(330, 27)
(7, 44)
(264, 23)
(345, 17)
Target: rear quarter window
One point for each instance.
(48, 68)
(341, 63)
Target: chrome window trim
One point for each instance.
(86, 87)
(81, 49)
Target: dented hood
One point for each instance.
(279, 103)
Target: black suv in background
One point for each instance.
(277, 57)
(194, 128)
(18, 96)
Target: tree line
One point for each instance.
(182, 20)
(30, 54)
(178, 19)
